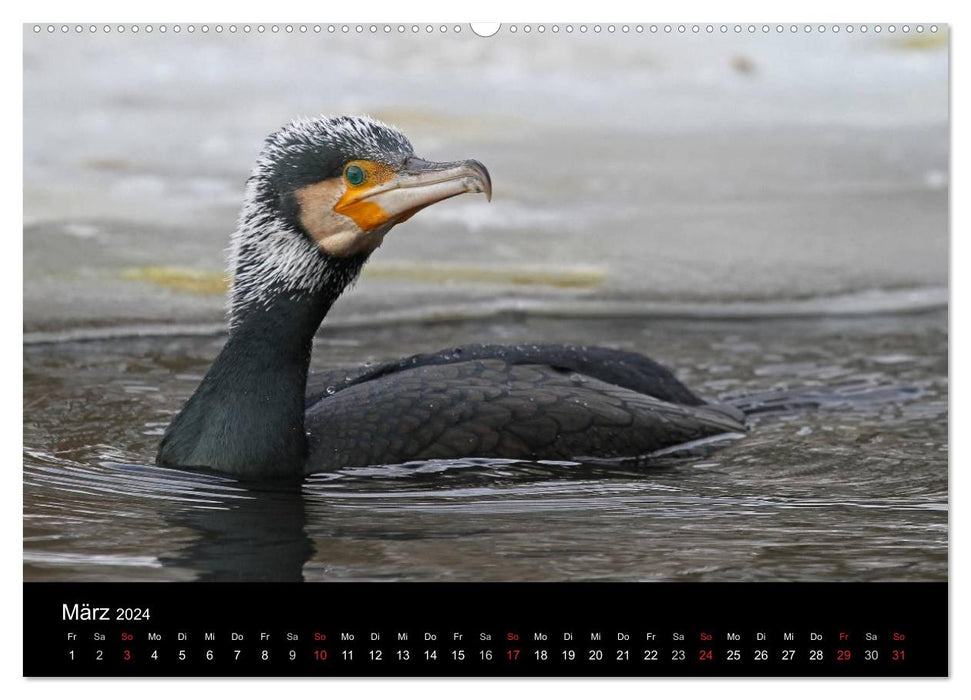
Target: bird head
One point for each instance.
(327, 190)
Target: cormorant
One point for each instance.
(321, 198)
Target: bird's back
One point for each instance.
(512, 402)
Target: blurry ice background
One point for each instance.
(632, 171)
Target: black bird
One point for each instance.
(322, 196)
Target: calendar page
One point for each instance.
(546, 349)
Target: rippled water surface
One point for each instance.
(854, 489)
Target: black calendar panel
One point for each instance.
(566, 629)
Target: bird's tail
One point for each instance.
(832, 396)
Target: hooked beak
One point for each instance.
(415, 186)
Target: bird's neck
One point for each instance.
(247, 416)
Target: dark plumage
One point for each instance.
(521, 402)
(322, 196)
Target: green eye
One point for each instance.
(354, 174)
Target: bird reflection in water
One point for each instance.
(257, 535)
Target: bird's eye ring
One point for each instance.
(354, 174)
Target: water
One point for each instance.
(855, 489)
